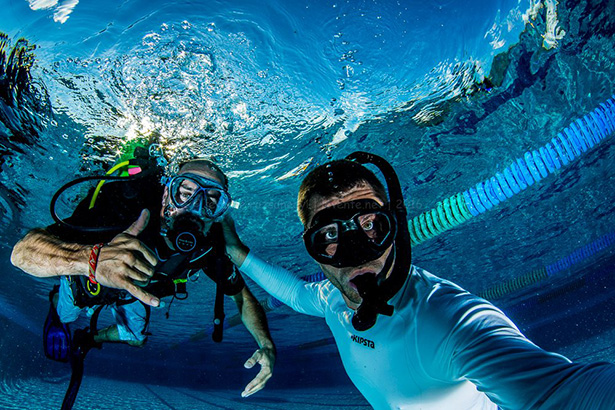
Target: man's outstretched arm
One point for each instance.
(308, 298)
(42, 254)
(121, 262)
(254, 319)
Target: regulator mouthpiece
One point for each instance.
(186, 233)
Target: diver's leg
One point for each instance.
(131, 324)
(64, 302)
(111, 334)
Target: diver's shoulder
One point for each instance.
(423, 286)
(442, 296)
(325, 287)
(428, 279)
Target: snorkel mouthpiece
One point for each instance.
(373, 303)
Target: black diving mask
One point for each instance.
(360, 231)
(350, 233)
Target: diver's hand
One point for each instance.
(235, 249)
(264, 356)
(126, 260)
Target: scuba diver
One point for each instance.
(105, 258)
(407, 338)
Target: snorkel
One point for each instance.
(377, 290)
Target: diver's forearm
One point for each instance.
(237, 253)
(254, 319)
(42, 254)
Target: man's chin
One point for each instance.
(354, 300)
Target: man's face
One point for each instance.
(341, 277)
(187, 188)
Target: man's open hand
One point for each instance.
(266, 358)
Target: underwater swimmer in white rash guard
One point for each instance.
(441, 347)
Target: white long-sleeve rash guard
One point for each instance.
(443, 349)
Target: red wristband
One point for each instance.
(94, 261)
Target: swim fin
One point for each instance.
(56, 335)
(61, 347)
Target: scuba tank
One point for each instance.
(139, 162)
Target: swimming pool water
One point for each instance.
(451, 93)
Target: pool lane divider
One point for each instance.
(579, 137)
(536, 275)
(575, 140)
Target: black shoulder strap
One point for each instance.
(217, 256)
(219, 303)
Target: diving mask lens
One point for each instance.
(202, 195)
(374, 228)
(370, 232)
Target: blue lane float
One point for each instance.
(575, 140)
(577, 256)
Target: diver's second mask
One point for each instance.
(193, 200)
(195, 193)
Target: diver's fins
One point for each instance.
(60, 346)
(56, 335)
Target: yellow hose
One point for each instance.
(100, 184)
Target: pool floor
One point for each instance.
(97, 393)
